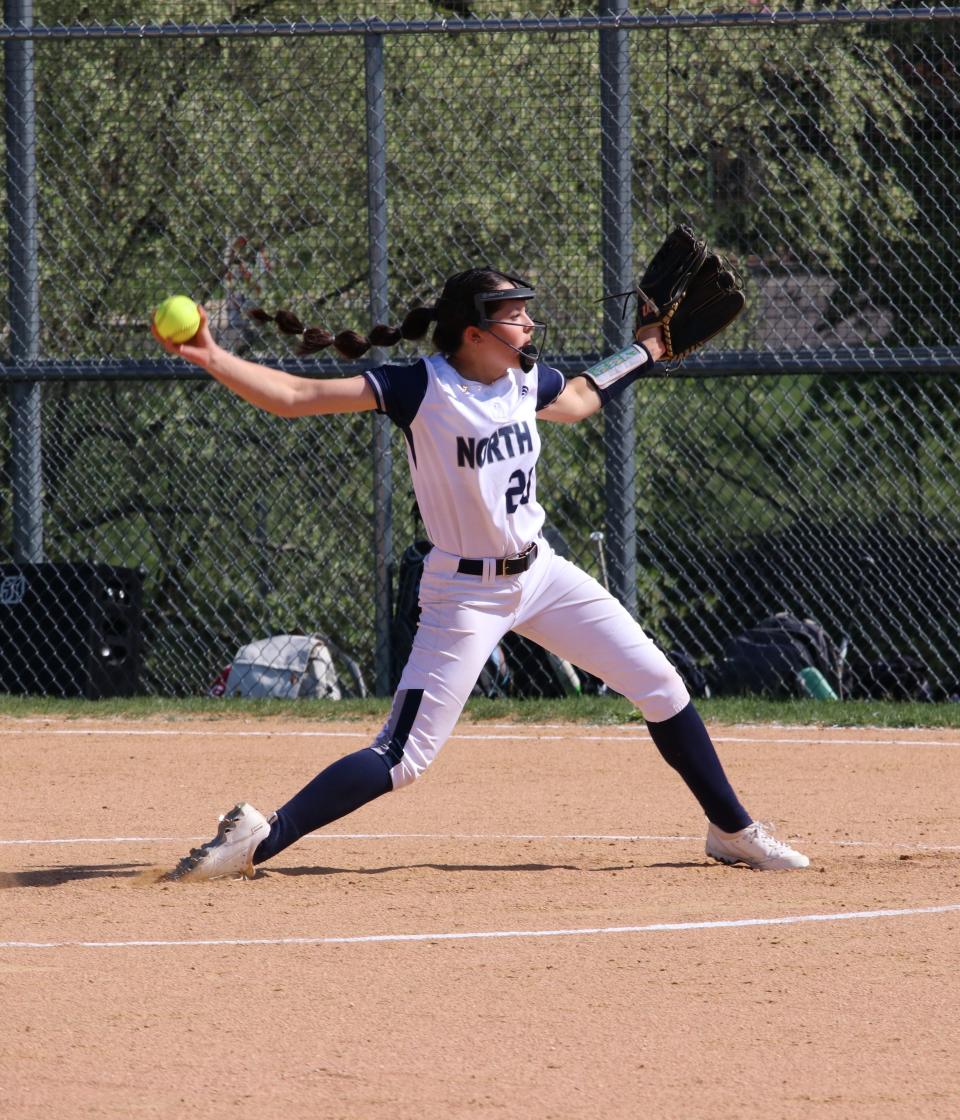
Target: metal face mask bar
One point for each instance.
(530, 354)
(482, 298)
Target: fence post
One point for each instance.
(23, 296)
(616, 251)
(379, 313)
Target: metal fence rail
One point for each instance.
(807, 463)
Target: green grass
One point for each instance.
(582, 709)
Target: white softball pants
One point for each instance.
(462, 618)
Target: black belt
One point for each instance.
(508, 566)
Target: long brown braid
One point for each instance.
(453, 312)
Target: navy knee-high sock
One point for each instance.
(686, 745)
(345, 785)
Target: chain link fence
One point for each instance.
(342, 168)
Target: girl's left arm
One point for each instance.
(578, 400)
(581, 397)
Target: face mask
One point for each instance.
(529, 354)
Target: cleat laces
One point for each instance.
(763, 833)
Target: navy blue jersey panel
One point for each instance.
(550, 383)
(399, 390)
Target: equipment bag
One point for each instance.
(294, 666)
(536, 672)
(768, 658)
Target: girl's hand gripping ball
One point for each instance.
(177, 319)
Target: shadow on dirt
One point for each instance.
(146, 874)
(68, 873)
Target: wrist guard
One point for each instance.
(612, 375)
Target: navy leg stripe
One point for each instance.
(405, 712)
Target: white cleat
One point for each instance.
(755, 847)
(230, 852)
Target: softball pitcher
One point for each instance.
(469, 414)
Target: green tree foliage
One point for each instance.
(235, 169)
(916, 266)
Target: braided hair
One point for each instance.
(453, 312)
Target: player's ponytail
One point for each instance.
(450, 316)
(417, 322)
(350, 344)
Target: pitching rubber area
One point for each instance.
(530, 931)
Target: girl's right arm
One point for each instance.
(273, 390)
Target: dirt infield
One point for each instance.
(532, 930)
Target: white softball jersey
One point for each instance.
(473, 450)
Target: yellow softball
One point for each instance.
(177, 319)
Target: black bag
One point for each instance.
(535, 672)
(894, 678)
(693, 676)
(496, 676)
(768, 658)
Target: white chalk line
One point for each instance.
(485, 935)
(328, 836)
(188, 725)
(576, 732)
(498, 837)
